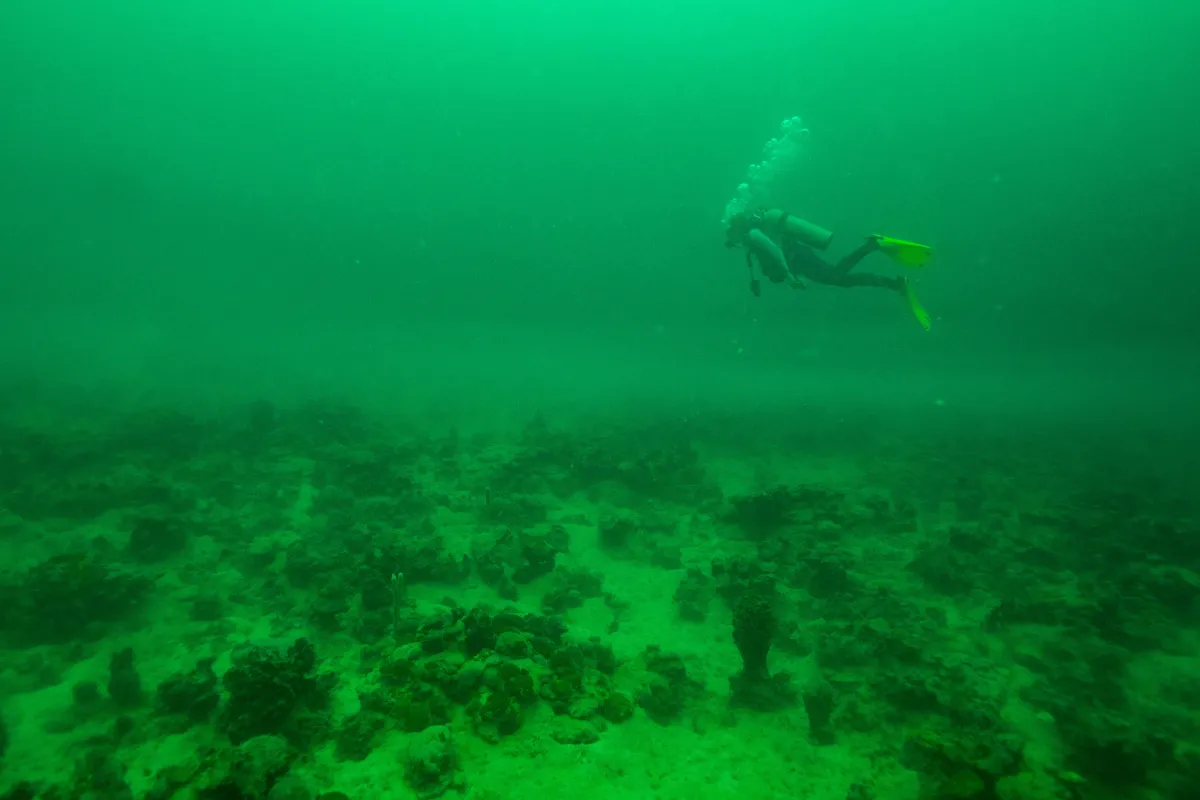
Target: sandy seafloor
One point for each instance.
(1046, 492)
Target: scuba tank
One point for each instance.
(811, 234)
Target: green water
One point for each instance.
(292, 294)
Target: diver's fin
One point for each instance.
(918, 310)
(910, 254)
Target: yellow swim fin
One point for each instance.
(918, 310)
(910, 254)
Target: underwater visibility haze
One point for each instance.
(613, 399)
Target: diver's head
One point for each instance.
(739, 225)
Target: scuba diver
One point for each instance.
(785, 248)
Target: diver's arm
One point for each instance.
(763, 248)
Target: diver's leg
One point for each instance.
(848, 280)
(851, 261)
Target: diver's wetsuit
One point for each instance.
(805, 262)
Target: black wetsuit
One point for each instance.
(806, 263)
